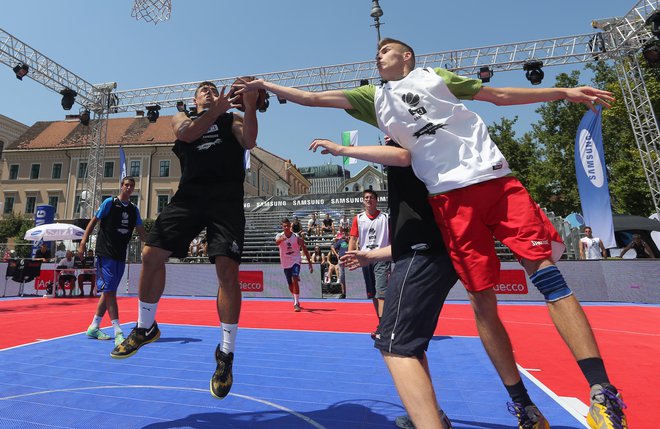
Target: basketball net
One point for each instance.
(152, 10)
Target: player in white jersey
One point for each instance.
(290, 245)
(474, 197)
(591, 247)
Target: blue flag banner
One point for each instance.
(592, 178)
(122, 164)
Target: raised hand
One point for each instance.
(326, 146)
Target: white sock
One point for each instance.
(96, 322)
(115, 324)
(296, 299)
(229, 331)
(146, 314)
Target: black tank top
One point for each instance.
(216, 157)
(115, 230)
(639, 248)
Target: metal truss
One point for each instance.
(620, 39)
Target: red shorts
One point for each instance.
(469, 217)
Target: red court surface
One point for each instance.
(628, 335)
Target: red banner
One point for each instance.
(251, 281)
(512, 282)
(44, 277)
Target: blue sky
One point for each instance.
(208, 39)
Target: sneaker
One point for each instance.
(404, 421)
(119, 338)
(296, 308)
(97, 333)
(606, 411)
(529, 417)
(136, 339)
(222, 377)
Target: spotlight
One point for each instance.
(264, 106)
(152, 113)
(485, 73)
(376, 11)
(654, 21)
(651, 53)
(281, 100)
(21, 70)
(68, 98)
(181, 106)
(85, 117)
(364, 82)
(534, 73)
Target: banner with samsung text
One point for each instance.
(592, 178)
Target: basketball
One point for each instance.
(262, 99)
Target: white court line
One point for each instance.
(567, 403)
(302, 417)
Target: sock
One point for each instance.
(115, 324)
(594, 371)
(229, 331)
(96, 322)
(296, 299)
(146, 314)
(518, 394)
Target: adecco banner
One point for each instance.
(251, 281)
(512, 282)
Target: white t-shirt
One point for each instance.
(591, 247)
(289, 250)
(372, 233)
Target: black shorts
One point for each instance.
(197, 207)
(418, 287)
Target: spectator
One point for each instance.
(7, 255)
(296, 226)
(317, 257)
(339, 248)
(640, 246)
(591, 247)
(193, 249)
(67, 273)
(88, 263)
(344, 223)
(328, 225)
(43, 253)
(60, 253)
(312, 225)
(333, 266)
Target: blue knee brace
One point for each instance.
(551, 283)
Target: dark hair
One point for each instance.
(203, 84)
(370, 191)
(406, 47)
(129, 178)
(285, 220)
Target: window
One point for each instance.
(135, 168)
(133, 199)
(30, 203)
(34, 171)
(165, 168)
(13, 172)
(57, 171)
(9, 205)
(162, 202)
(82, 170)
(109, 169)
(53, 200)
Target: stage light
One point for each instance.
(181, 106)
(654, 21)
(534, 74)
(85, 117)
(264, 107)
(364, 82)
(281, 100)
(21, 70)
(485, 73)
(153, 112)
(651, 53)
(376, 11)
(68, 98)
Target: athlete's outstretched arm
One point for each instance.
(386, 155)
(334, 98)
(510, 96)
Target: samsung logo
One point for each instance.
(591, 159)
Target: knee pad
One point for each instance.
(551, 283)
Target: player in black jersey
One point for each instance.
(211, 147)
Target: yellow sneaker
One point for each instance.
(529, 417)
(606, 411)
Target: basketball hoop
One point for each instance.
(152, 10)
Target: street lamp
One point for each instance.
(376, 13)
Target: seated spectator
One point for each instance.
(67, 273)
(339, 248)
(7, 255)
(333, 267)
(43, 253)
(193, 249)
(328, 225)
(88, 263)
(312, 225)
(640, 246)
(60, 253)
(344, 223)
(203, 246)
(296, 226)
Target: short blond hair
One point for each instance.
(406, 47)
